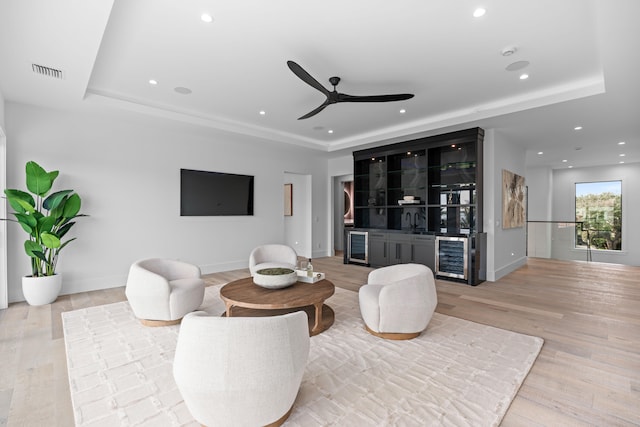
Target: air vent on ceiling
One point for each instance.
(46, 71)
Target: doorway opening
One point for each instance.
(343, 211)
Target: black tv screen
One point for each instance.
(205, 193)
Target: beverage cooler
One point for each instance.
(357, 247)
(452, 257)
(460, 258)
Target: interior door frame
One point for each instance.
(4, 297)
(337, 210)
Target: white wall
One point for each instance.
(126, 169)
(1, 110)
(564, 181)
(506, 249)
(539, 186)
(539, 201)
(341, 165)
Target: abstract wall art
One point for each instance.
(513, 200)
(288, 200)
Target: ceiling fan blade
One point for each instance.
(314, 112)
(342, 97)
(306, 77)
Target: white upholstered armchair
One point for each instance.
(161, 291)
(241, 371)
(398, 301)
(273, 255)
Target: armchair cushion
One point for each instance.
(399, 299)
(241, 371)
(272, 255)
(164, 289)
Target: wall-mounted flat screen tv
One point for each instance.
(204, 193)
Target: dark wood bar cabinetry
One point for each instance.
(409, 193)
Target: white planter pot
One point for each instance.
(41, 290)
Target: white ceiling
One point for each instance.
(583, 56)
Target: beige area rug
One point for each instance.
(457, 373)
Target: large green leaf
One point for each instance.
(64, 229)
(58, 211)
(40, 255)
(55, 199)
(39, 181)
(20, 201)
(34, 250)
(37, 215)
(72, 206)
(27, 222)
(46, 223)
(50, 240)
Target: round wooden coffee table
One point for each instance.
(244, 298)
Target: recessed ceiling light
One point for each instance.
(540, 153)
(524, 76)
(403, 111)
(622, 155)
(330, 131)
(182, 90)
(570, 167)
(206, 18)
(262, 112)
(621, 162)
(564, 161)
(479, 12)
(621, 143)
(508, 51)
(153, 82)
(577, 128)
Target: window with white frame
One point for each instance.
(599, 208)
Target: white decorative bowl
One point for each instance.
(275, 278)
(409, 198)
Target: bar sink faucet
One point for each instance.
(415, 221)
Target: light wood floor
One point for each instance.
(588, 372)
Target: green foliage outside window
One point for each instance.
(599, 207)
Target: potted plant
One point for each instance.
(46, 218)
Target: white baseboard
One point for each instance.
(224, 266)
(492, 276)
(320, 253)
(70, 286)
